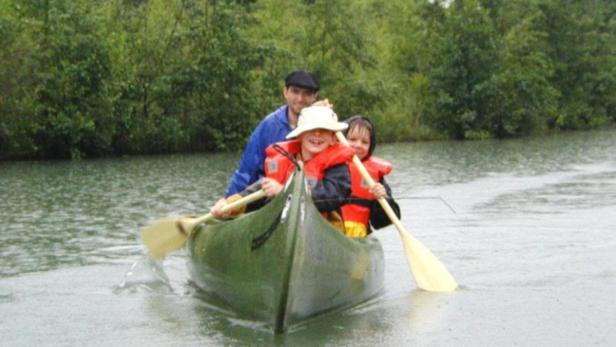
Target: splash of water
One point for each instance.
(145, 275)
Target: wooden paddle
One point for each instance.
(170, 234)
(430, 274)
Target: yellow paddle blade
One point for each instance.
(430, 274)
(163, 237)
(170, 234)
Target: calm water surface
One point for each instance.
(527, 227)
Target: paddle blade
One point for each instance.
(163, 237)
(430, 274)
(170, 234)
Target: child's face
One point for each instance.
(316, 141)
(359, 140)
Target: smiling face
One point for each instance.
(298, 98)
(359, 139)
(316, 141)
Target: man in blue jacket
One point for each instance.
(301, 90)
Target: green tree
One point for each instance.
(182, 75)
(68, 110)
(463, 65)
(88, 78)
(407, 35)
(581, 39)
(329, 38)
(523, 98)
(17, 85)
(221, 78)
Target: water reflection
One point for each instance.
(385, 319)
(349, 325)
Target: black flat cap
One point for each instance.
(303, 79)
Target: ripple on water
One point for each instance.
(531, 244)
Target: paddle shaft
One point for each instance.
(187, 227)
(362, 169)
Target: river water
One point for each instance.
(527, 227)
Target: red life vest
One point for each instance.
(354, 212)
(280, 168)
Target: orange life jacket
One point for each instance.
(356, 213)
(280, 168)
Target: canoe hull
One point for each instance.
(284, 263)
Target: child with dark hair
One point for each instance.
(362, 209)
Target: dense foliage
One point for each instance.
(89, 78)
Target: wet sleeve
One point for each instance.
(251, 163)
(378, 217)
(333, 190)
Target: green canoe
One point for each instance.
(283, 263)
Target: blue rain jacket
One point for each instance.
(273, 128)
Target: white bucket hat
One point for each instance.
(317, 117)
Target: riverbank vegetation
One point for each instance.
(85, 78)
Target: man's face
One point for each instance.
(298, 98)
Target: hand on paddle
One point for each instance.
(269, 186)
(378, 191)
(219, 211)
(216, 210)
(324, 102)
